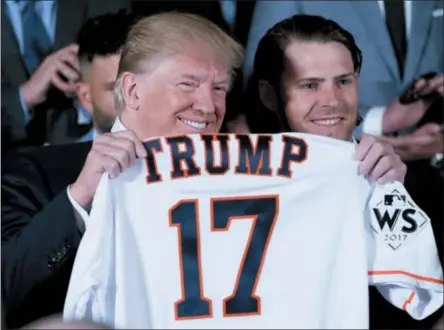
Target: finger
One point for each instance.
(364, 146)
(370, 159)
(122, 156)
(436, 82)
(140, 149)
(110, 166)
(432, 85)
(70, 59)
(404, 153)
(72, 48)
(115, 140)
(68, 72)
(405, 141)
(420, 85)
(428, 129)
(396, 173)
(423, 87)
(58, 82)
(382, 166)
(387, 139)
(390, 176)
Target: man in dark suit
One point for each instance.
(40, 68)
(37, 218)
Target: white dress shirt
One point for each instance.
(372, 123)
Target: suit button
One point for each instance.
(52, 263)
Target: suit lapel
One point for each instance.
(70, 15)
(376, 27)
(419, 33)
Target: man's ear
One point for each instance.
(268, 95)
(129, 90)
(83, 94)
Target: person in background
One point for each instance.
(306, 72)
(38, 226)
(40, 68)
(100, 41)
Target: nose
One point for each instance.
(204, 101)
(330, 97)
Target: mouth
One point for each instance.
(194, 124)
(327, 122)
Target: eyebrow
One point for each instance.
(191, 77)
(198, 79)
(316, 79)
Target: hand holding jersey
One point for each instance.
(378, 160)
(112, 153)
(239, 226)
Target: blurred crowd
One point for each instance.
(60, 61)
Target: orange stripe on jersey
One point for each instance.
(401, 272)
(408, 301)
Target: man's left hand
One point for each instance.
(378, 160)
(423, 143)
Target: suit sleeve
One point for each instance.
(39, 231)
(13, 119)
(91, 291)
(403, 259)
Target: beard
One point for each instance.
(102, 121)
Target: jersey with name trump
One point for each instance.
(250, 231)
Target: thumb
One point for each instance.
(432, 128)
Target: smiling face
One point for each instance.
(320, 89)
(184, 94)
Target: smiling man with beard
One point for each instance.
(100, 41)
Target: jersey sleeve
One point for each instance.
(91, 277)
(403, 259)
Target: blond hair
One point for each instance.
(157, 36)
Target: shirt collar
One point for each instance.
(118, 126)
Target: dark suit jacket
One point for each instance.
(39, 230)
(54, 121)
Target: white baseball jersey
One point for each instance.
(250, 231)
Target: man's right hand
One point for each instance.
(63, 63)
(112, 153)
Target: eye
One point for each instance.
(344, 82)
(220, 89)
(310, 86)
(188, 86)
